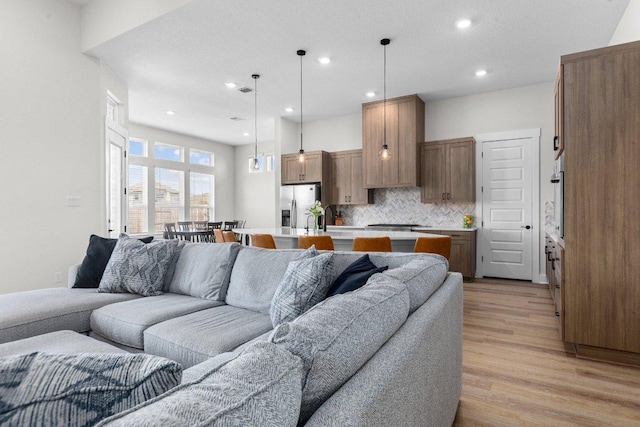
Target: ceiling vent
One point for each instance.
(245, 89)
(237, 119)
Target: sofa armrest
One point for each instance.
(71, 275)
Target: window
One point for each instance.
(201, 200)
(271, 162)
(137, 147)
(168, 152)
(112, 107)
(138, 199)
(197, 157)
(168, 183)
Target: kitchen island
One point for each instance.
(287, 238)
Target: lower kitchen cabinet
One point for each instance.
(555, 276)
(463, 251)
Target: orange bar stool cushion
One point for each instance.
(323, 243)
(218, 236)
(263, 241)
(229, 236)
(371, 244)
(440, 245)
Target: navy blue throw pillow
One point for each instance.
(355, 276)
(98, 253)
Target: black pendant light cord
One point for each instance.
(301, 53)
(255, 113)
(385, 90)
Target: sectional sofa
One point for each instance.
(389, 353)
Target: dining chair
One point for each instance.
(218, 236)
(200, 225)
(241, 223)
(263, 241)
(184, 225)
(371, 244)
(322, 243)
(229, 236)
(169, 230)
(229, 225)
(213, 225)
(440, 245)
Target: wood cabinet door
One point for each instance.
(312, 167)
(433, 159)
(406, 151)
(389, 167)
(291, 169)
(340, 187)
(461, 172)
(372, 118)
(460, 256)
(358, 194)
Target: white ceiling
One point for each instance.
(181, 60)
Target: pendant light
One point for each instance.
(384, 153)
(255, 165)
(301, 158)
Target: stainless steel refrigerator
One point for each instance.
(294, 201)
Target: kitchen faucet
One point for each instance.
(333, 215)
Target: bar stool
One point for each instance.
(440, 245)
(371, 244)
(229, 236)
(218, 236)
(263, 241)
(323, 243)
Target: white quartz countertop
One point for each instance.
(420, 228)
(341, 234)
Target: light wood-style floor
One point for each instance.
(518, 373)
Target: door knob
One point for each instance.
(528, 227)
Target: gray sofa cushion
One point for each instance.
(415, 379)
(305, 283)
(195, 337)
(259, 387)
(138, 268)
(79, 390)
(422, 277)
(30, 313)
(392, 259)
(203, 270)
(124, 323)
(60, 342)
(256, 274)
(336, 337)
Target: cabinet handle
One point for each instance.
(553, 266)
(557, 314)
(448, 196)
(349, 199)
(345, 199)
(443, 198)
(557, 286)
(555, 146)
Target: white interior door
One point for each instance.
(507, 208)
(116, 138)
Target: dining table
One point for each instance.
(194, 235)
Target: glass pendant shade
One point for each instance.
(255, 165)
(301, 157)
(385, 154)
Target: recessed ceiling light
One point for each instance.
(289, 110)
(230, 85)
(370, 94)
(245, 134)
(463, 23)
(324, 60)
(481, 73)
(170, 112)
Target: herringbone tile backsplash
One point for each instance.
(403, 206)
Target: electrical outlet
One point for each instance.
(57, 277)
(74, 201)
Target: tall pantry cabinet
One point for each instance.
(601, 139)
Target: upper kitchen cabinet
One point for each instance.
(405, 130)
(346, 179)
(448, 171)
(315, 168)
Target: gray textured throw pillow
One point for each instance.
(261, 386)
(305, 283)
(138, 268)
(41, 389)
(337, 336)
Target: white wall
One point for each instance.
(333, 134)
(256, 195)
(628, 29)
(224, 163)
(513, 109)
(52, 143)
